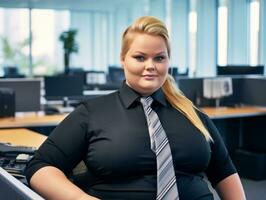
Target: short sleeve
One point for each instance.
(220, 165)
(65, 147)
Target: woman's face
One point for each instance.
(146, 63)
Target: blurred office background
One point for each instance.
(208, 38)
(204, 33)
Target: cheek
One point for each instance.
(132, 67)
(163, 69)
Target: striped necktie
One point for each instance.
(166, 180)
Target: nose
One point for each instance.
(150, 65)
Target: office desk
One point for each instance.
(235, 123)
(22, 137)
(234, 112)
(22, 120)
(25, 137)
(240, 127)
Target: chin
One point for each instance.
(149, 89)
(152, 85)
(145, 87)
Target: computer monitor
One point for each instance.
(13, 189)
(62, 86)
(217, 88)
(116, 74)
(173, 71)
(27, 93)
(95, 77)
(12, 72)
(240, 70)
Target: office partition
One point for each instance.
(240, 70)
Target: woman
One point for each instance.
(112, 135)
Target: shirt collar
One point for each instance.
(159, 97)
(129, 96)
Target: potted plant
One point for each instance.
(69, 44)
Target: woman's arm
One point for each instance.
(231, 188)
(52, 184)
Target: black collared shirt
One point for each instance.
(110, 134)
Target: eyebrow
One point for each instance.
(160, 53)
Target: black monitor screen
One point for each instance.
(173, 71)
(27, 93)
(13, 189)
(240, 70)
(58, 87)
(116, 74)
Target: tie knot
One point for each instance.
(146, 101)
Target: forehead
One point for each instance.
(146, 42)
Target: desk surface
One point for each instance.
(22, 137)
(41, 120)
(234, 112)
(31, 120)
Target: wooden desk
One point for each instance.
(21, 137)
(41, 120)
(240, 127)
(31, 120)
(234, 112)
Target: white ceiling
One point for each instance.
(67, 4)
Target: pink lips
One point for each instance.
(149, 76)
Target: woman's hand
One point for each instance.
(52, 184)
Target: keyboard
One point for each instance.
(13, 167)
(14, 159)
(6, 148)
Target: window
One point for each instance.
(192, 18)
(47, 51)
(14, 39)
(222, 35)
(254, 32)
(47, 55)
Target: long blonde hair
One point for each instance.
(152, 26)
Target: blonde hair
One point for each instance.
(152, 26)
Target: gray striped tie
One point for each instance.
(166, 180)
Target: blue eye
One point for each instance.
(159, 58)
(139, 58)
